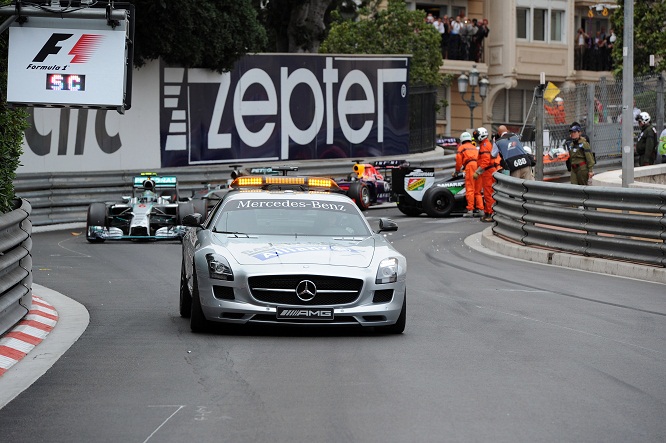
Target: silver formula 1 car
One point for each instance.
(152, 212)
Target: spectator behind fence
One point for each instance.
(446, 25)
(454, 39)
(610, 42)
(581, 45)
(557, 111)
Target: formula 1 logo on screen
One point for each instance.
(82, 50)
(285, 107)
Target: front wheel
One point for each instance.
(438, 202)
(96, 219)
(185, 295)
(399, 326)
(184, 209)
(359, 192)
(198, 322)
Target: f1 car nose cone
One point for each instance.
(306, 290)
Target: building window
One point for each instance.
(522, 22)
(440, 8)
(539, 34)
(556, 26)
(540, 24)
(511, 105)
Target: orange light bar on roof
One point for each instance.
(285, 180)
(258, 181)
(248, 181)
(322, 183)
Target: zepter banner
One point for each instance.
(67, 62)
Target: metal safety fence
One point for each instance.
(597, 107)
(59, 198)
(15, 265)
(616, 223)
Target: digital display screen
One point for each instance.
(65, 82)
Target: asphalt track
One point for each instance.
(557, 355)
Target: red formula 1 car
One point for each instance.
(366, 185)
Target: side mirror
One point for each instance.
(386, 224)
(193, 220)
(126, 198)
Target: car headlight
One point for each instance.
(388, 271)
(218, 267)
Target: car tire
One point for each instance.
(410, 211)
(96, 217)
(185, 295)
(399, 326)
(184, 209)
(359, 192)
(438, 202)
(198, 322)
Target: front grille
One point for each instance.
(270, 318)
(281, 289)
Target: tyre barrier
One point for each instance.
(15, 265)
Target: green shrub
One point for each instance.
(12, 124)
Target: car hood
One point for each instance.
(335, 252)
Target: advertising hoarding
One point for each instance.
(270, 107)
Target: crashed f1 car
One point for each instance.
(415, 190)
(152, 212)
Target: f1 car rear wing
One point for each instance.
(388, 164)
(159, 181)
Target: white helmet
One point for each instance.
(483, 133)
(465, 137)
(643, 117)
(559, 100)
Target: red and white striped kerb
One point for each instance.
(28, 333)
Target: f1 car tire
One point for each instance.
(410, 211)
(360, 193)
(184, 209)
(438, 202)
(185, 295)
(96, 217)
(198, 322)
(399, 326)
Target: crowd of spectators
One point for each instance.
(593, 51)
(462, 38)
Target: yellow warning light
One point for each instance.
(318, 182)
(248, 181)
(259, 181)
(285, 180)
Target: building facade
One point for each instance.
(526, 38)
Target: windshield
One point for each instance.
(291, 217)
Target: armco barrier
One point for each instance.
(617, 223)
(15, 265)
(64, 197)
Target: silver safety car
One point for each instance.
(291, 250)
(152, 212)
